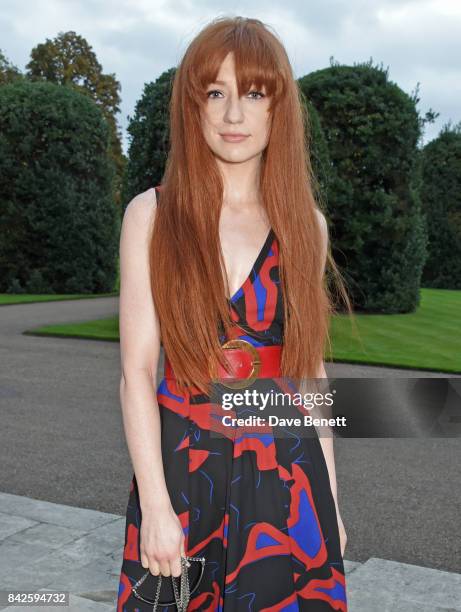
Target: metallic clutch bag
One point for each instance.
(167, 593)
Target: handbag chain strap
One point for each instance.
(182, 598)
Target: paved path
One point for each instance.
(62, 441)
(49, 546)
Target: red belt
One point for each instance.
(246, 363)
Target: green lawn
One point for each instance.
(429, 338)
(99, 329)
(26, 298)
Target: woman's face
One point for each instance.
(225, 114)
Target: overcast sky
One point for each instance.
(419, 40)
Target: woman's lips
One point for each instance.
(233, 138)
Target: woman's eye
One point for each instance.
(259, 93)
(254, 91)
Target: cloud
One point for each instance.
(138, 39)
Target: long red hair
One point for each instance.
(185, 256)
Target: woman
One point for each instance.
(230, 246)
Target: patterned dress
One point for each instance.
(259, 508)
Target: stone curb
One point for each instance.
(52, 547)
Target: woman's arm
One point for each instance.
(325, 433)
(326, 441)
(139, 351)
(161, 537)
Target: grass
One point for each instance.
(98, 329)
(428, 339)
(6, 299)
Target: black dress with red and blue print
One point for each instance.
(258, 508)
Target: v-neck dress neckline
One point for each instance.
(255, 267)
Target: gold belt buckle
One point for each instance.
(256, 363)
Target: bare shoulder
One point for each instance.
(324, 232)
(140, 210)
(323, 223)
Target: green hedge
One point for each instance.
(59, 227)
(372, 130)
(149, 138)
(441, 196)
(319, 156)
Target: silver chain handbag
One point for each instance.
(181, 597)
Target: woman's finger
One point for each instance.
(154, 567)
(165, 568)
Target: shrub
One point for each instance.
(59, 227)
(378, 233)
(441, 169)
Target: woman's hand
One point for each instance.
(161, 542)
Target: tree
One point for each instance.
(372, 129)
(69, 60)
(8, 71)
(59, 226)
(319, 156)
(441, 168)
(148, 134)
